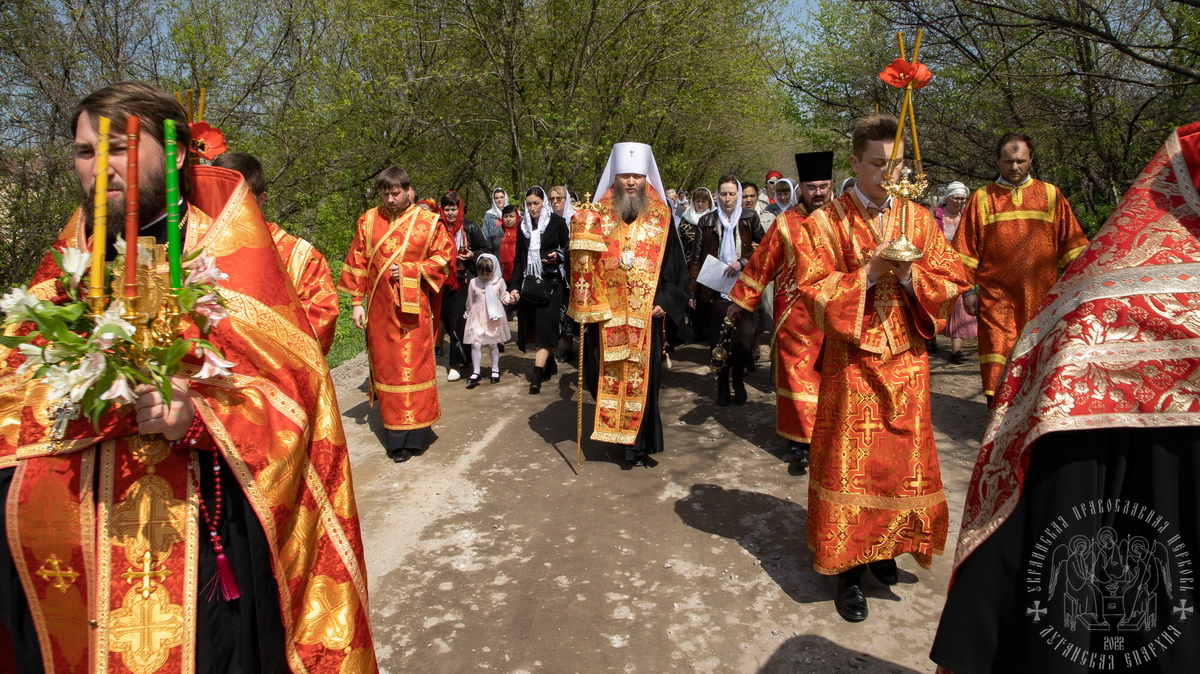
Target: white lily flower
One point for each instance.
(112, 317)
(120, 391)
(143, 258)
(75, 263)
(209, 308)
(72, 381)
(36, 355)
(16, 303)
(214, 365)
(203, 271)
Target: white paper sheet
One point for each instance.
(712, 274)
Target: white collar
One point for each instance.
(867, 203)
(1025, 182)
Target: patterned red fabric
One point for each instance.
(1115, 343)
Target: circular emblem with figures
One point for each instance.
(1109, 585)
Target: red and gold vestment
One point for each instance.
(615, 269)
(310, 276)
(1012, 242)
(875, 490)
(104, 526)
(400, 318)
(796, 341)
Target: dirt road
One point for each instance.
(490, 552)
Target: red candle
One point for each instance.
(132, 127)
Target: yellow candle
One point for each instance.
(100, 213)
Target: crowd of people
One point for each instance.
(616, 284)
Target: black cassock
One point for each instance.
(1094, 569)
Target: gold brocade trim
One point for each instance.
(794, 438)
(992, 358)
(750, 282)
(410, 427)
(615, 437)
(279, 400)
(404, 388)
(968, 261)
(1071, 255)
(880, 502)
(587, 244)
(336, 533)
(1006, 216)
(298, 261)
(13, 529)
(38, 449)
(191, 568)
(87, 525)
(792, 395)
(589, 316)
(354, 271)
(103, 588)
(989, 393)
(252, 313)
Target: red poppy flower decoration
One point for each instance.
(207, 141)
(901, 73)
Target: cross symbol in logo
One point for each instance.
(631, 153)
(1183, 609)
(1036, 611)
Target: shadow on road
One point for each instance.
(772, 529)
(811, 653)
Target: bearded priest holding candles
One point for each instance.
(213, 533)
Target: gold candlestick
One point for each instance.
(906, 189)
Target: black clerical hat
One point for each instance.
(812, 166)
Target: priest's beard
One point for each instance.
(628, 206)
(152, 201)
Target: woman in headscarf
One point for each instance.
(539, 282)
(491, 219)
(960, 324)
(689, 227)
(563, 206)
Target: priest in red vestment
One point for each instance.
(796, 341)
(243, 480)
(303, 263)
(1082, 521)
(1015, 236)
(875, 491)
(396, 264)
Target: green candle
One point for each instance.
(172, 174)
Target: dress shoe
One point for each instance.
(639, 462)
(535, 386)
(495, 378)
(931, 345)
(850, 601)
(473, 381)
(402, 456)
(885, 570)
(799, 457)
(958, 358)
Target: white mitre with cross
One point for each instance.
(632, 158)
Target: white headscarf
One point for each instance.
(693, 217)
(730, 245)
(491, 298)
(568, 205)
(533, 259)
(496, 211)
(635, 158)
(952, 189)
(792, 184)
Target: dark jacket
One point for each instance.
(478, 244)
(554, 239)
(708, 242)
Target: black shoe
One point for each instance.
(639, 462)
(535, 386)
(438, 352)
(473, 380)
(931, 345)
(850, 601)
(958, 358)
(495, 378)
(402, 456)
(885, 570)
(799, 457)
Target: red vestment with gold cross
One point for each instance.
(104, 525)
(1012, 242)
(875, 490)
(400, 318)
(796, 342)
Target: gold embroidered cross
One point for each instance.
(145, 575)
(64, 412)
(63, 578)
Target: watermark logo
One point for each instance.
(1110, 596)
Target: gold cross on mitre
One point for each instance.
(63, 577)
(145, 575)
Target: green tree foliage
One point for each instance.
(1097, 85)
(464, 95)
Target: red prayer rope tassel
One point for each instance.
(223, 586)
